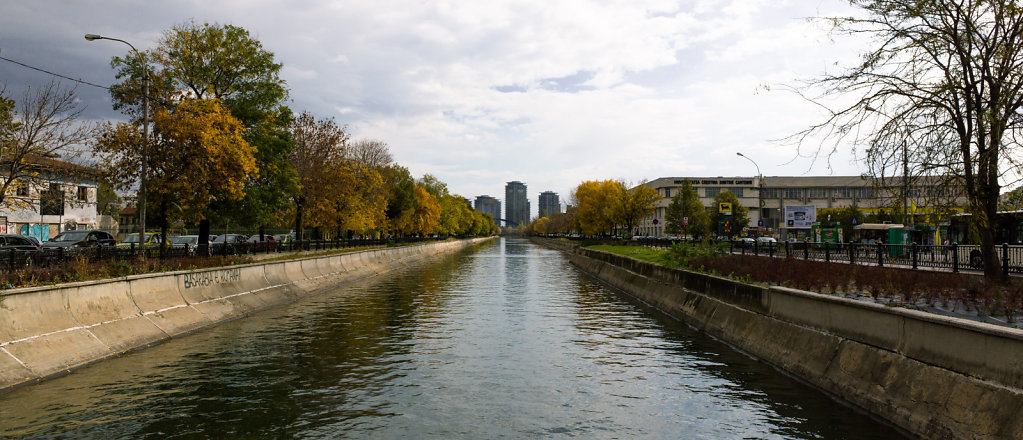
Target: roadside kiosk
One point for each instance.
(883, 233)
(823, 234)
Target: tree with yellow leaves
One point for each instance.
(317, 152)
(455, 215)
(425, 217)
(226, 63)
(197, 155)
(634, 204)
(598, 205)
(361, 197)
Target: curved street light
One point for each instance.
(145, 134)
(760, 191)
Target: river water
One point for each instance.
(506, 340)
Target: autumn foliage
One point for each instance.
(225, 147)
(605, 207)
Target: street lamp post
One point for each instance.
(760, 190)
(145, 136)
(905, 183)
(905, 173)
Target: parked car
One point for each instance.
(33, 239)
(186, 243)
(284, 240)
(767, 241)
(152, 241)
(18, 250)
(14, 242)
(268, 242)
(229, 243)
(80, 239)
(746, 242)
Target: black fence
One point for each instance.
(947, 257)
(11, 260)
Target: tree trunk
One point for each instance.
(298, 218)
(988, 247)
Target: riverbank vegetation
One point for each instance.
(82, 268)
(209, 137)
(942, 292)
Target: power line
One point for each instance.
(55, 74)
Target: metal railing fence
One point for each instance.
(954, 257)
(12, 260)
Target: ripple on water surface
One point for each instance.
(503, 341)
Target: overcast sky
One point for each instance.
(479, 93)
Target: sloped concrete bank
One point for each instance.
(935, 377)
(50, 331)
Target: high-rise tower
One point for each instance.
(549, 204)
(490, 206)
(516, 204)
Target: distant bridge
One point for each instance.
(513, 224)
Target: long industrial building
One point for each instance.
(769, 198)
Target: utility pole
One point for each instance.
(145, 138)
(905, 183)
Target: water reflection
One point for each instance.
(504, 341)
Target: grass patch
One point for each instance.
(892, 286)
(652, 255)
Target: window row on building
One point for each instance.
(767, 197)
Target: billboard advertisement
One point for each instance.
(800, 216)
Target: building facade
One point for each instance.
(516, 204)
(51, 204)
(490, 206)
(549, 204)
(769, 198)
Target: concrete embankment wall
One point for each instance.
(935, 377)
(49, 331)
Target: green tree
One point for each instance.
(1012, 200)
(107, 200)
(686, 204)
(401, 198)
(433, 185)
(740, 214)
(842, 217)
(940, 93)
(674, 215)
(223, 62)
(455, 215)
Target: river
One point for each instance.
(506, 340)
